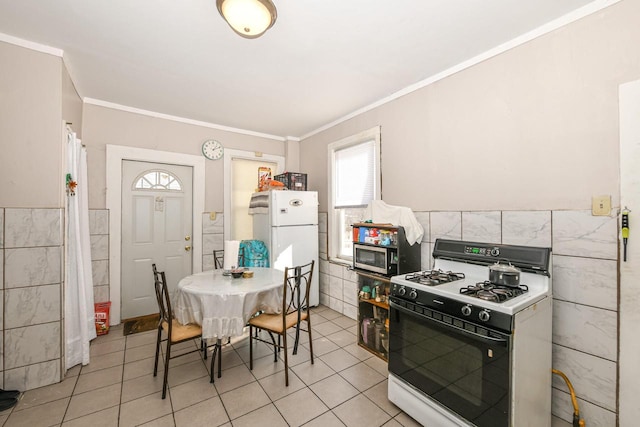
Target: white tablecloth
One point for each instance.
(222, 305)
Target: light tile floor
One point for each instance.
(346, 386)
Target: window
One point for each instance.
(157, 180)
(354, 180)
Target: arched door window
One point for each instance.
(158, 180)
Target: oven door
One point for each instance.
(460, 366)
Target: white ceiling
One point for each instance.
(321, 61)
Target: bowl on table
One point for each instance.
(237, 273)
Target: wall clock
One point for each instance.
(212, 149)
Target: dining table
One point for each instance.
(222, 305)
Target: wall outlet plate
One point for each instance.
(601, 205)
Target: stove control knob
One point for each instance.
(495, 252)
(402, 291)
(413, 294)
(484, 315)
(466, 310)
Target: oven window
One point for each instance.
(460, 371)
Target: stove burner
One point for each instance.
(433, 277)
(491, 292)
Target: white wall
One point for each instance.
(533, 128)
(31, 165)
(103, 126)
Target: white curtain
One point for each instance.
(79, 323)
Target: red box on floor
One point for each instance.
(102, 317)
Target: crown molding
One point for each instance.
(31, 45)
(142, 112)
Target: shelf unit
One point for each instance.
(373, 316)
(408, 256)
(373, 324)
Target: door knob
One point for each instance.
(187, 238)
(187, 248)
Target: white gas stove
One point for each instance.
(454, 358)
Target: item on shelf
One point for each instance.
(293, 180)
(365, 329)
(264, 176)
(371, 331)
(378, 328)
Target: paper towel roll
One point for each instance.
(231, 249)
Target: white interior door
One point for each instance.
(156, 228)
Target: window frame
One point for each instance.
(156, 186)
(334, 229)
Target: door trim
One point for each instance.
(115, 155)
(229, 155)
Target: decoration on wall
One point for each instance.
(71, 185)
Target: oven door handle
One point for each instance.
(475, 335)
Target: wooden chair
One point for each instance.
(295, 309)
(175, 332)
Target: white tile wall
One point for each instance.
(336, 270)
(526, 228)
(336, 304)
(32, 376)
(593, 415)
(324, 266)
(322, 222)
(593, 378)
(212, 238)
(324, 283)
(31, 276)
(99, 247)
(424, 218)
(32, 305)
(578, 233)
(350, 292)
(588, 329)
(350, 311)
(482, 227)
(99, 231)
(32, 266)
(426, 256)
(215, 226)
(100, 271)
(586, 281)
(445, 225)
(324, 299)
(31, 344)
(101, 293)
(98, 221)
(25, 228)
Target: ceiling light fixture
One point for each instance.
(248, 18)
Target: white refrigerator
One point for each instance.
(289, 228)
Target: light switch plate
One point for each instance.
(601, 205)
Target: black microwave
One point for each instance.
(377, 259)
